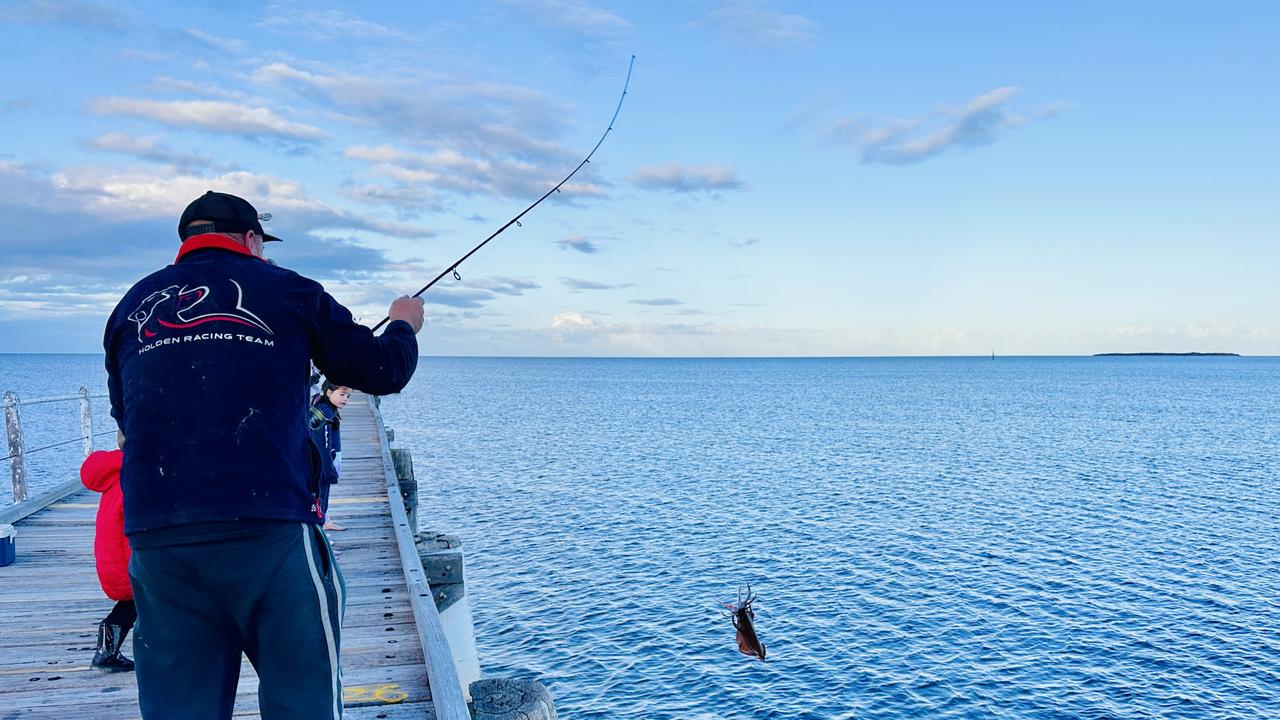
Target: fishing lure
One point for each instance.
(453, 269)
(743, 621)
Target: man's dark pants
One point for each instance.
(276, 596)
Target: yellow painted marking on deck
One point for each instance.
(357, 500)
(74, 505)
(49, 669)
(386, 693)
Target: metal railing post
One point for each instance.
(13, 430)
(86, 420)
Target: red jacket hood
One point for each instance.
(101, 470)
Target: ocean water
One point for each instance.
(928, 538)
(35, 376)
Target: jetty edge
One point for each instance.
(403, 657)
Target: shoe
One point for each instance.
(110, 641)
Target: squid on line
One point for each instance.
(743, 617)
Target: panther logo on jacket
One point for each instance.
(179, 308)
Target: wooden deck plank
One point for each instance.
(50, 603)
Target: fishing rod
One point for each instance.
(516, 220)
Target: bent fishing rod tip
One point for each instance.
(516, 220)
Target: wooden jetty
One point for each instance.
(396, 662)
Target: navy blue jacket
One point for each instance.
(208, 370)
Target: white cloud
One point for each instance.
(326, 25)
(452, 171)
(504, 285)
(210, 116)
(1192, 337)
(169, 84)
(579, 243)
(405, 199)
(752, 22)
(151, 149)
(453, 136)
(578, 284)
(65, 12)
(216, 42)
(116, 195)
(477, 292)
(978, 122)
(144, 56)
(103, 227)
(572, 15)
(578, 333)
(571, 323)
(687, 179)
(479, 118)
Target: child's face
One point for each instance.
(339, 396)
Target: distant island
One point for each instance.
(1151, 354)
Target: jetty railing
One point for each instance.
(23, 504)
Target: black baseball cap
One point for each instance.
(224, 213)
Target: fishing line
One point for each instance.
(453, 269)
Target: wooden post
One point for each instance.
(86, 420)
(442, 563)
(403, 461)
(512, 699)
(13, 429)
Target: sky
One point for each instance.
(783, 179)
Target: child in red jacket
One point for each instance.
(101, 473)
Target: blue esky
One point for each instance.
(785, 178)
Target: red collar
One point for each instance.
(211, 240)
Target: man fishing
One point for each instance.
(208, 366)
